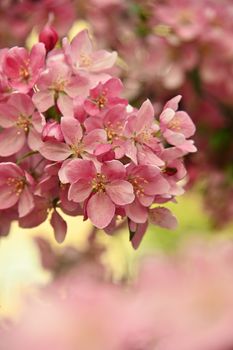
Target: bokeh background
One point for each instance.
(165, 48)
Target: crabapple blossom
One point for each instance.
(81, 55)
(70, 143)
(104, 96)
(16, 187)
(23, 68)
(21, 122)
(104, 188)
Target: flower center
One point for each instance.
(77, 149)
(16, 184)
(138, 184)
(174, 124)
(23, 123)
(59, 85)
(101, 101)
(98, 183)
(114, 131)
(85, 60)
(24, 73)
(143, 137)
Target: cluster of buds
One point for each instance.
(69, 141)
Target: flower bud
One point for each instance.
(49, 37)
(52, 132)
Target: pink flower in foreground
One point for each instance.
(102, 190)
(20, 122)
(103, 96)
(147, 182)
(76, 144)
(82, 57)
(57, 85)
(23, 68)
(15, 188)
(142, 146)
(176, 127)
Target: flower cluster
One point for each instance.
(166, 47)
(179, 302)
(173, 46)
(68, 140)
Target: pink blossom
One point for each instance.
(147, 181)
(103, 96)
(176, 127)
(104, 189)
(76, 144)
(23, 68)
(57, 84)
(82, 57)
(15, 188)
(113, 122)
(141, 129)
(20, 122)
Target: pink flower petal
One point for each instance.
(59, 226)
(8, 198)
(163, 217)
(81, 43)
(100, 210)
(102, 60)
(55, 151)
(120, 192)
(26, 202)
(11, 141)
(23, 103)
(80, 169)
(34, 140)
(139, 234)
(156, 186)
(113, 170)
(77, 86)
(93, 139)
(9, 169)
(8, 115)
(136, 212)
(71, 129)
(173, 103)
(43, 100)
(145, 116)
(79, 191)
(65, 105)
(37, 57)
